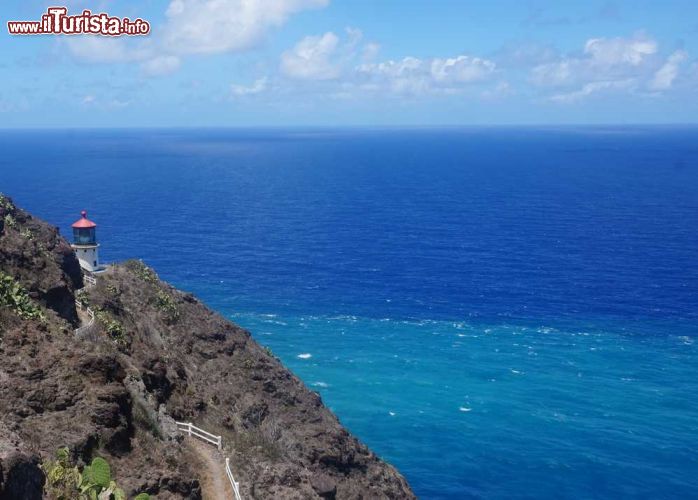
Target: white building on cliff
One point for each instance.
(85, 244)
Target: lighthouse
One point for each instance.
(85, 243)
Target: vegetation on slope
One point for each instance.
(65, 480)
(15, 297)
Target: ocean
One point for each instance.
(498, 312)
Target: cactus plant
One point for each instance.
(98, 473)
(64, 481)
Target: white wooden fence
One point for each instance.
(217, 441)
(192, 430)
(84, 330)
(233, 482)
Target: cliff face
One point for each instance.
(33, 253)
(156, 354)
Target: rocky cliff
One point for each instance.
(155, 355)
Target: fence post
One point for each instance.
(220, 442)
(189, 428)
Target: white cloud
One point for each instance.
(394, 69)
(412, 75)
(619, 51)
(604, 59)
(461, 69)
(257, 87)
(192, 27)
(351, 64)
(92, 100)
(312, 58)
(346, 65)
(161, 65)
(664, 77)
(406, 76)
(214, 26)
(609, 64)
(591, 88)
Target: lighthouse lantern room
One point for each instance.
(85, 243)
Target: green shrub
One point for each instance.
(167, 305)
(113, 327)
(82, 298)
(62, 478)
(5, 203)
(14, 296)
(142, 271)
(10, 221)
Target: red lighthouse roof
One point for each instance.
(84, 222)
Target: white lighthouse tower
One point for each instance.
(85, 243)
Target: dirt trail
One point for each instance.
(214, 482)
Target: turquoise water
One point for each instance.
(501, 313)
(523, 411)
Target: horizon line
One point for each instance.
(352, 126)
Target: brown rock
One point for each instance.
(324, 486)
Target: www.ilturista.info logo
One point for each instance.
(56, 21)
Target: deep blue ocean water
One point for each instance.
(501, 313)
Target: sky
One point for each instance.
(356, 63)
